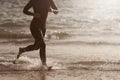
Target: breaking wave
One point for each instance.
(12, 34)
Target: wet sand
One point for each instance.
(80, 66)
(60, 75)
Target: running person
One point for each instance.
(38, 26)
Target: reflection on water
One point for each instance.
(87, 30)
(103, 9)
(25, 69)
(95, 20)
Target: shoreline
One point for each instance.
(61, 75)
(91, 64)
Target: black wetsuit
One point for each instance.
(37, 26)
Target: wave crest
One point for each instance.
(57, 35)
(12, 34)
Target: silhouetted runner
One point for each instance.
(38, 26)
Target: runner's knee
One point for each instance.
(37, 46)
(40, 45)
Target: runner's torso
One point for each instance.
(41, 6)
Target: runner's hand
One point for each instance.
(37, 15)
(55, 11)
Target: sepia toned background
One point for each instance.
(83, 41)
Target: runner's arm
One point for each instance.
(53, 6)
(27, 7)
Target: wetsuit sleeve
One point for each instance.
(52, 5)
(27, 7)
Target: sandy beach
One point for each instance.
(87, 67)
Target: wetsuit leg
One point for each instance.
(43, 25)
(39, 41)
(43, 30)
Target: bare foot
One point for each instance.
(21, 50)
(48, 68)
(14, 62)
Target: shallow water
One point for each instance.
(84, 35)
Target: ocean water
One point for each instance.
(85, 33)
(86, 21)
